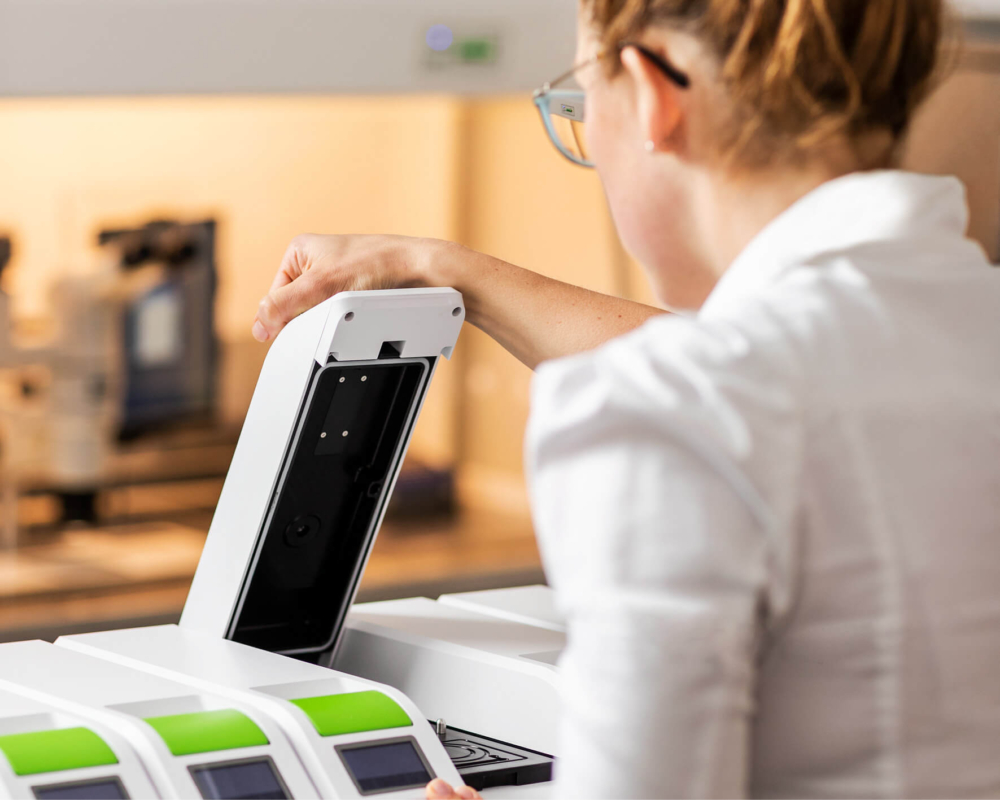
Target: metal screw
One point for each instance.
(344, 433)
(322, 435)
(364, 378)
(342, 379)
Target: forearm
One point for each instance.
(534, 317)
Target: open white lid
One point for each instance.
(319, 454)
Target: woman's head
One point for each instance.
(778, 87)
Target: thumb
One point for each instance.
(283, 303)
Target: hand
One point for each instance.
(438, 789)
(317, 267)
(534, 317)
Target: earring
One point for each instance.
(650, 145)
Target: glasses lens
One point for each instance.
(567, 117)
(572, 135)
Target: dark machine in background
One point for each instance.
(170, 349)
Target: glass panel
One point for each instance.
(101, 789)
(386, 766)
(572, 136)
(247, 780)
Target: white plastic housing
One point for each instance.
(21, 714)
(119, 698)
(349, 327)
(266, 681)
(480, 672)
(529, 605)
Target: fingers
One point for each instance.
(294, 263)
(316, 267)
(438, 789)
(283, 304)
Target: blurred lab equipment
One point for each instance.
(131, 348)
(170, 353)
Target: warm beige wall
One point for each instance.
(527, 205)
(267, 168)
(957, 132)
(271, 167)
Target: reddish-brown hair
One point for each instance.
(800, 71)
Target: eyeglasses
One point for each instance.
(562, 103)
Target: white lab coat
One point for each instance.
(774, 527)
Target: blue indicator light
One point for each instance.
(439, 37)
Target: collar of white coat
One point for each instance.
(843, 213)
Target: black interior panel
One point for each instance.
(333, 488)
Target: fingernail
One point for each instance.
(259, 332)
(440, 788)
(466, 793)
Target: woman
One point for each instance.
(772, 519)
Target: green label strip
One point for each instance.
(207, 731)
(55, 750)
(355, 712)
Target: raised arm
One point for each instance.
(534, 317)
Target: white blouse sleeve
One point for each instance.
(661, 548)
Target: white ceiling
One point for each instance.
(115, 47)
(83, 47)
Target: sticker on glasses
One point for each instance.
(570, 110)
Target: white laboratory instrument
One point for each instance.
(354, 736)
(320, 450)
(193, 743)
(484, 661)
(49, 754)
(323, 441)
(530, 605)
(324, 438)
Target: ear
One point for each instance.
(658, 102)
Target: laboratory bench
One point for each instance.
(138, 573)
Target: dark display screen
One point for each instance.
(103, 789)
(387, 766)
(240, 780)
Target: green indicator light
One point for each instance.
(207, 731)
(355, 712)
(476, 50)
(55, 750)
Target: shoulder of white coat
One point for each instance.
(715, 406)
(674, 376)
